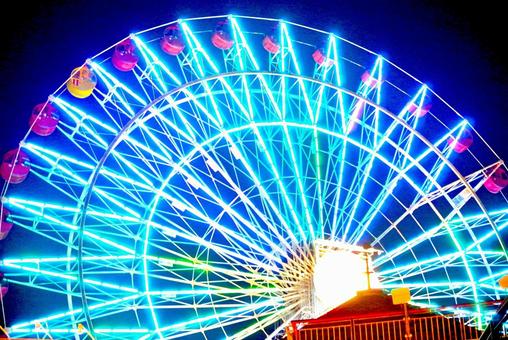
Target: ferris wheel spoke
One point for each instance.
(118, 94)
(406, 137)
(59, 277)
(85, 123)
(179, 202)
(327, 73)
(262, 323)
(361, 113)
(199, 58)
(71, 318)
(249, 115)
(356, 106)
(217, 318)
(154, 66)
(261, 145)
(54, 227)
(332, 189)
(369, 90)
(227, 269)
(280, 115)
(392, 182)
(252, 226)
(475, 178)
(243, 196)
(196, 183)
(243, 59)
(453, 237)
(476, 259)
(219, 249)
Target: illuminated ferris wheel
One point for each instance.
(201, 178)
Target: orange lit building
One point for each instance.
(371, 315)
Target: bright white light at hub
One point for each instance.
(338, 275)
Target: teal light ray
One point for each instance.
(390, 186)
(73, 227)
(235, 311)
(151, 59)
(242, 41)
(28, 269)
(18, 327)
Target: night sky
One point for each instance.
(455, 48)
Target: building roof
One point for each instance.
(366, 303)
(372, 303)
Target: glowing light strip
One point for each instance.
(224, 230)
(377, 69)
(390, 187)
(195, 42)
(422, 93)
(225, 206)
(364, 91)
(238, 33)
(107, 77)
(235, 311)
(343, 150)
(427, 185)
(70, 109)
(77, 331)
(248, 114)
(151, 59)
(74, 228)
(287, 41)
(73, 312)
(331, 47)
(104, 144)
(68, 277)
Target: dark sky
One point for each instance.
(454, 47)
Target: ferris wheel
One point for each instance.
(189, 181)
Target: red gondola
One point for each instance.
(497, 181)
(462, 143)
(44, 119)
(15, 166)
(4, 290)
(124, 57)
(221, 37)
(320, 58)
(5, 225)
(270, 44)
(368, 80)
(419, 111)
(171, 41)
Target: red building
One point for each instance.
(371, 315)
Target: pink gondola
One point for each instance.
(15, 166)
(4, 290)
(171, 41)
(320, 58)
(5, 225)
(44, 119)
(368, 80)
(419, 111)
(221, 37)
(124, 56)
(497, 181)
(463, 142)
(270, 44)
